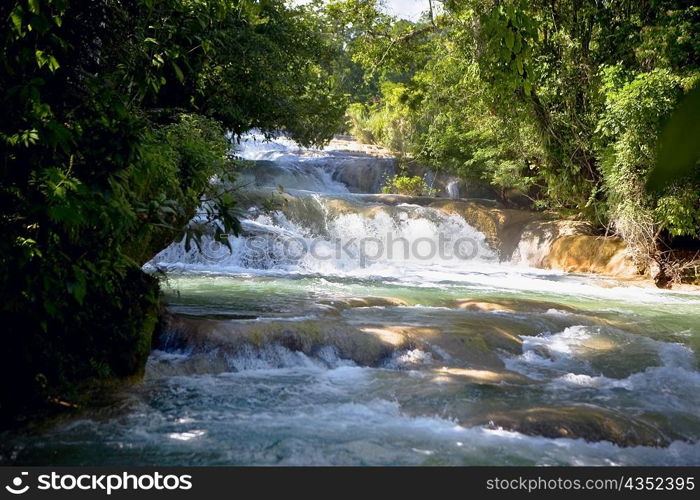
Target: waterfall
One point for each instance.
(283, 163)
(323, 228)
(453, 189)
(326, 235)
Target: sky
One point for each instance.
(406, 9)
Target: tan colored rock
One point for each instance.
(537, 237)
(366, 302)
(509, 305)
(472, 340)
(502, 227)
(591, 254)
(228, 338)
(479, 376)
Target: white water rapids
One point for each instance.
(345, 329)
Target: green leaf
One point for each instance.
(77, 290)
(53, 64)
(178, 72)
(505, 54)
(510, 39)
(28, 137)
(33, 6)
(518, 46)
(16, 16)
(40, 58)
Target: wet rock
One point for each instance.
(509, 305)
(502, 227)
(364, 174)
(537, 237)
(366, 302)
(230, 338)
(591, 254)
(587, 422)
(197, 364)
(480, 376)
(472, 341)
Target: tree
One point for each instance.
(112, 127)
(563, 101)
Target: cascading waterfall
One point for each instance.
(453, 189)
(389, 240)
(311, 235)
(343, 328)
(283, 163)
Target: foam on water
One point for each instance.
(255, 146)
(655, 374)
(302, 171)
(409, 359)
(280, 246)
(351, 244)
(310, 416)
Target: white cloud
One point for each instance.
(407, 9)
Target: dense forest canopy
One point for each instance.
(116, 114)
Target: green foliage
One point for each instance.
(111, 134)
(508, 33)
(270, 68)
(359, 125)
(389, 124)
(679, 212)
(407, 185)
(173, 173)
(635, 109)
(561, 101)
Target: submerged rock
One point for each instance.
(222, 340)
(587, 422)
(365, 302)
(480, 376)
(206, 344)
(510, 305)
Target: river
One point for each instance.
(346, 328)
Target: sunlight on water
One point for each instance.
(358, 357)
